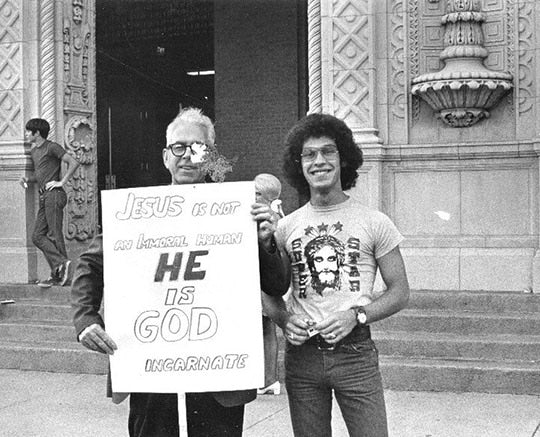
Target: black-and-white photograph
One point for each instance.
(270, 218)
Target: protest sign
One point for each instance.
(182, 291)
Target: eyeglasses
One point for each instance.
(329, 153)
(179, 148)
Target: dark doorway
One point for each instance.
(152, 57)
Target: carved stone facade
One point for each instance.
(47, 70)
(15, 79)
(347, 62)
(79, 108)
(82, 207)
(11, 69)
(465, 90)
(465, 198)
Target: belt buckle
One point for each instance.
(323, 345)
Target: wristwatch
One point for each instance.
(361, 316)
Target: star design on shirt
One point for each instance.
(323, 229)
(309, 230)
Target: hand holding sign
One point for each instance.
(266, 223)
(95, 338)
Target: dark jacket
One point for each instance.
(87, 297)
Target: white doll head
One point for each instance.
(268, 190)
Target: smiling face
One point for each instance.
(182, 169)
(322, 170)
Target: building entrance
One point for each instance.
(152, 56)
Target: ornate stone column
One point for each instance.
(19, 100)
(314, 55)
(79, 109)
(341, 60)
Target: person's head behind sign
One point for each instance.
(188, 138)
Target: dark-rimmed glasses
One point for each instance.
(179, 148)
(328, 152)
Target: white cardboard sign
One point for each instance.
(182, 299)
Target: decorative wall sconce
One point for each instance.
(464, 91)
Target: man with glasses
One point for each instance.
(334, 245)
(190, 142)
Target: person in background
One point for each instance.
(191, 157)
(267, 191)
(48, 236)
(334, 245)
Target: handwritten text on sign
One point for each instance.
(182, 294)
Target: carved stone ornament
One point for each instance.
(464, 91)
(78, 11)
(79, 141)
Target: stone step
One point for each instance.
(21, 330)
(62, 357)
(444, 341)
(468, 322)
(33, 309)
(493, 302)
(420, 344)
(403, 373)
(478, 301)
(451, 346)
(421, 299)
(463, 323)
(399, 373)
(32, 291)
(485, 363)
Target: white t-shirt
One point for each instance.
(333, 252)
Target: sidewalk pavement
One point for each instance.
(41, 404)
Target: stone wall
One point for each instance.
(46, 70)
(465, 198)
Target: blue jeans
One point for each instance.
(48, 233)
(351, 372)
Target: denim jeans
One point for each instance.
(351, 372)
(48, 233)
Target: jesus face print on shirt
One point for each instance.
(325, 261)
(325, 256)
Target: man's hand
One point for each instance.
(266, 223)
(95, 338)
(337, 326)
(295, 329)
(23, 181)
(53, 184)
